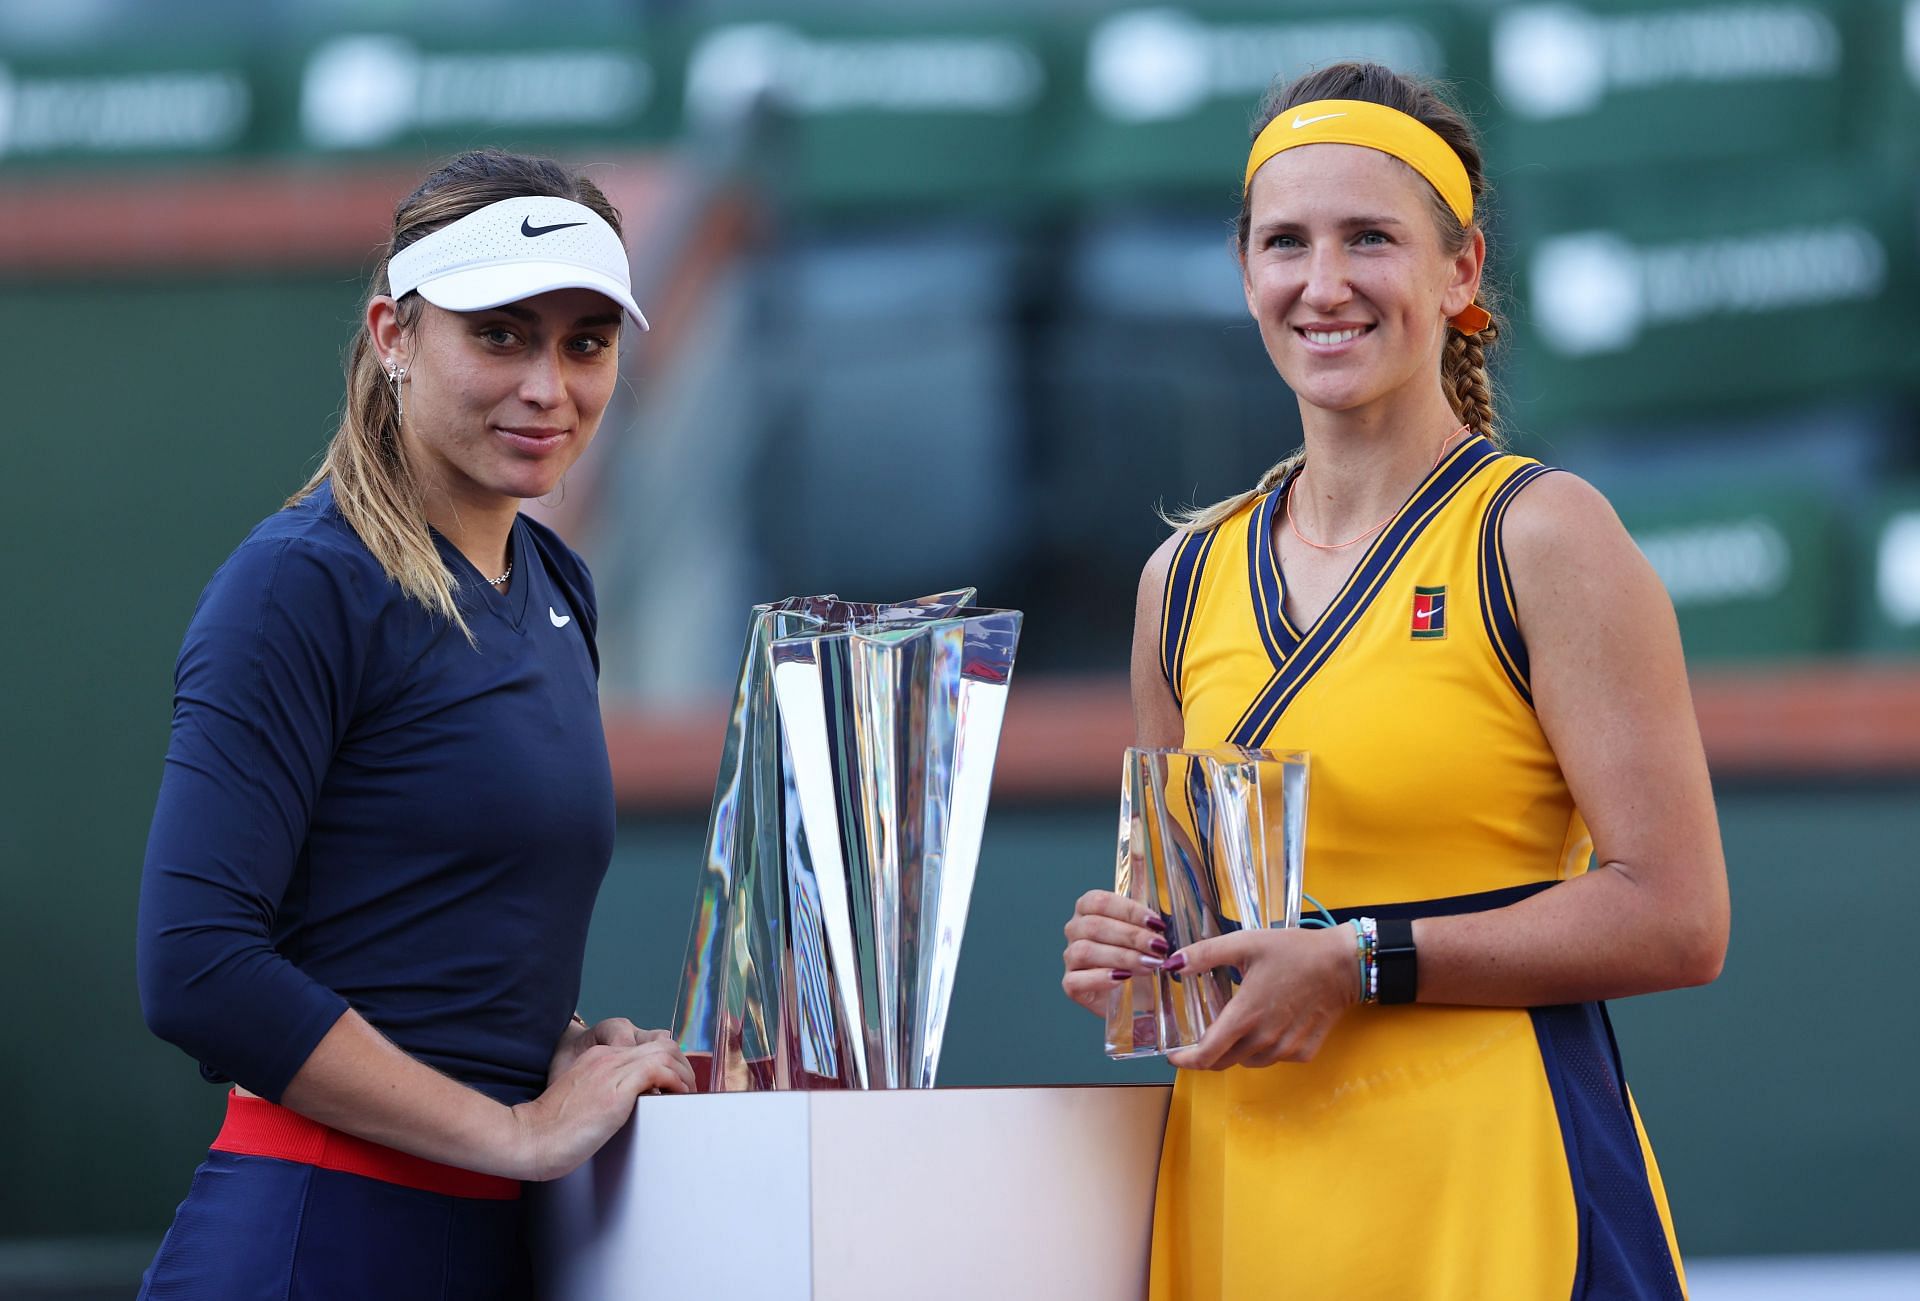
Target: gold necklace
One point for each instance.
(1300, 479)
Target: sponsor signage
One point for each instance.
(1751, 573)
(1898, 44)
(382, 91)
(1892, 554)
(1584, 85)
(1165, 95)
(1736, 283)
(201, 106)
(1596, 292)
(878, 115)
(1153, 98)
(1910, 42)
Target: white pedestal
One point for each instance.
(1005, 1194)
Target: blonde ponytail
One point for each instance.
(374, 484)
(1198, 519)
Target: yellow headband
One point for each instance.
(1372, 126)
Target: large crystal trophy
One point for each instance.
(1211, 841)
(843, 841)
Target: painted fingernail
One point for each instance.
(1155, 963)
(1153, 923)
(1118, 974)
(1175, 963)
(1159, 948)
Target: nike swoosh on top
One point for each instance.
(1299, 122)
(531, 230)
(560, 620)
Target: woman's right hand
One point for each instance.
(583, 1108)
(1111, 938)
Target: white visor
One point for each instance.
(514, 249)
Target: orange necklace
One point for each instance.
(1359, 537)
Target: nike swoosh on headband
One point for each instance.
(531, 231)
(1299, 122)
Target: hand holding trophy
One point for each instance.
(1212, 843)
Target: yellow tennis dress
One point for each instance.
(1426, 1151)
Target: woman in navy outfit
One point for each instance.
(386, 807)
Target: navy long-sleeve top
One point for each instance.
(361, 809)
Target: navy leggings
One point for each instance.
(258, 1227)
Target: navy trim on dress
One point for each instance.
(1623, 1253)
(1623, 1244)
(1277, 633)
(1496, 590)
(1450, 906)
(1361, 588)
(1179, 602)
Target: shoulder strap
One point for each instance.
(1178, 603)
(1496, 589)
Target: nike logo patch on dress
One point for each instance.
(559, 620)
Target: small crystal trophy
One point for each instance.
(1212, 841)
(841, 850)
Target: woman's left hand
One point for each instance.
(614, 1032)
(1295, 984)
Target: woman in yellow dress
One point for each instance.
(1423, 1101)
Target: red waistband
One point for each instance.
(256, 1127)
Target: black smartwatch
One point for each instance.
(1396, 962)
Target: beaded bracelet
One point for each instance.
(1366, 936)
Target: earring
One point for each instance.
(396, 373)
